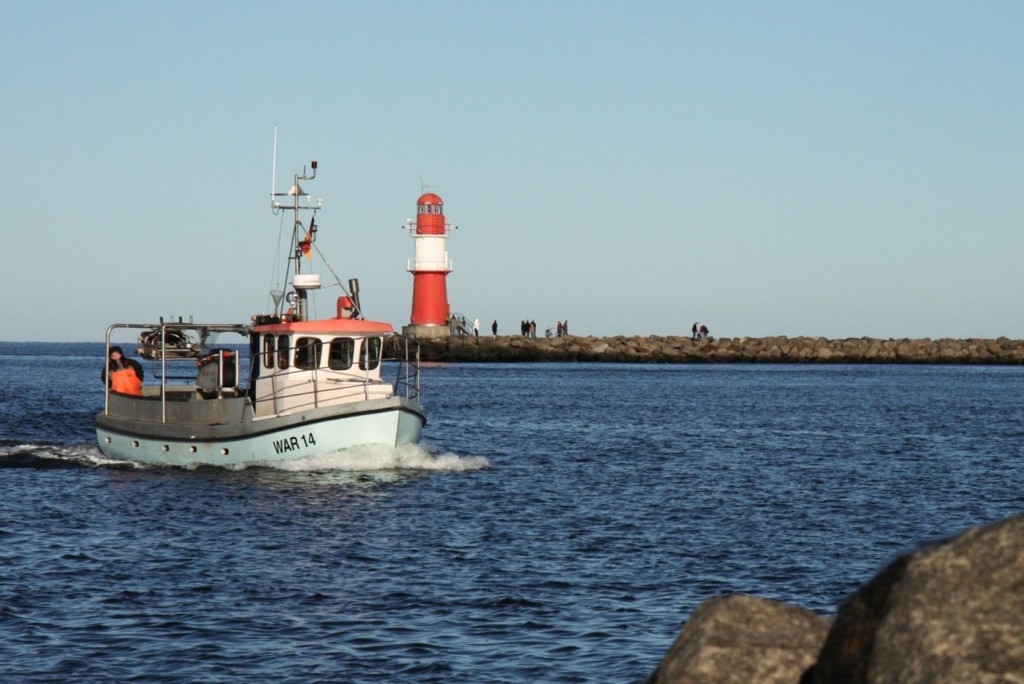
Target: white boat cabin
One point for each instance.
(300, 369)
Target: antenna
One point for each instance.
(273, 170)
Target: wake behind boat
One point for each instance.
(278, 388)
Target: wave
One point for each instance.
(43, 456)
(378, 457)
(368, 458)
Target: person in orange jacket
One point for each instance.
(122, 374)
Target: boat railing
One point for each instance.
(401, 365)
(163, 343)
(172, 375)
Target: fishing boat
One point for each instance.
(281, 387)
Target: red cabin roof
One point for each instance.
(330, 326)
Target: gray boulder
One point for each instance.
(948, 613)
(945, 614)
(741, 639)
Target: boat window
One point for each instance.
(282, 351)
(369, 358)
(268, 351)
(339, 356)
(307, 353)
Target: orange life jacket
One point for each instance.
(126, 381)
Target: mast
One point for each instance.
(301, 243)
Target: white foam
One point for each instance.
(377, 457)
(368, 458)
(93, 456)
(84, 454)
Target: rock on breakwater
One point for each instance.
(657, 349)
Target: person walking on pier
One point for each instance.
(494, 329)
(694, 332)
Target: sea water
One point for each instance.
(559, 522)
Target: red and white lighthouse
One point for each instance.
(429, 267)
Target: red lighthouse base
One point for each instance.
(430, 309)
(430, 299)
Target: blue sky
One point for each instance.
(829, 169)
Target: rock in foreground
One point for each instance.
(742, 639)
(943, 615)
(949, 613)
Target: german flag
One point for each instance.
(306, 244)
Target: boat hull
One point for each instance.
(393, 422)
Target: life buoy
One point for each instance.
(214, 357)
(214, 378)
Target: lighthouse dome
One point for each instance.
(429, 198)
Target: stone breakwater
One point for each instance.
(656, 349)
